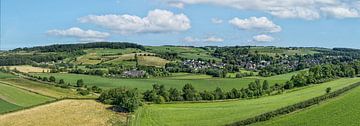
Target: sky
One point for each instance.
(302, 23)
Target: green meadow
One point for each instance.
(184, 52)
(6, 106)
(200, 82)
(222, 113)
(44, 89)
(21, 97)
(6, 75)
(341, 111)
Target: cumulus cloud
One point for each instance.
(263, 38)
(216, 21)
(175, 4)
(297, 12)
(191, 39)
(83, 35)
(261, 24)
(156, 21)
(304, 9)
(341, 12)
(206, 39)
(213, 39)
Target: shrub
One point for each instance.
(328, 90)
(80, 83)
(128, 99)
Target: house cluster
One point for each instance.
(254, 66)
(195, 64)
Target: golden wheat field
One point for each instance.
(29, 69)
(65, 113)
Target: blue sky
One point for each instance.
(320, 23)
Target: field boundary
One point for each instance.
(295, 107)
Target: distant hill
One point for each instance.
(80, 46)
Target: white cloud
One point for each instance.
(213, 39)
(216, 21)
(297, 12)
(357, 5)
(263, 38)
(304, 9)
(157, 21)
(341, 12)
(83, 35)
(175, 4)
(206, 39)
(261, 24)
(190, 39)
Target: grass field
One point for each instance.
(65, 113)
(341, 111)
(119, 56)
(6, 106)
(143, 60)
(185, 52)
(21, 97)
(152, 61)
(204, 82)
(44, 89)
(101, 51)
(233, 75)
(97, 55)
(272, 51)
(6, 75)
(221, 113)
(188, 76)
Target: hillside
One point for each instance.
(130, 84)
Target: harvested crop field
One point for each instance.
(65, 113)
(29, 69)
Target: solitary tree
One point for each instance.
(328, 90)
(265, 85)
(80, 83)
(61, 81)
(45, 79)
(189, 93)
(52, 79)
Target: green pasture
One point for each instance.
(152, 61)
(272, 51)
(185, 52)
(200, 82)
(6, 75)
(6, 106)
(102, 51)
(341, 111)
(221, 113)
(41, 88)
(21, 97)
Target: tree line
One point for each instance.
(81, 46)
(19, 59)
(323, 73)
